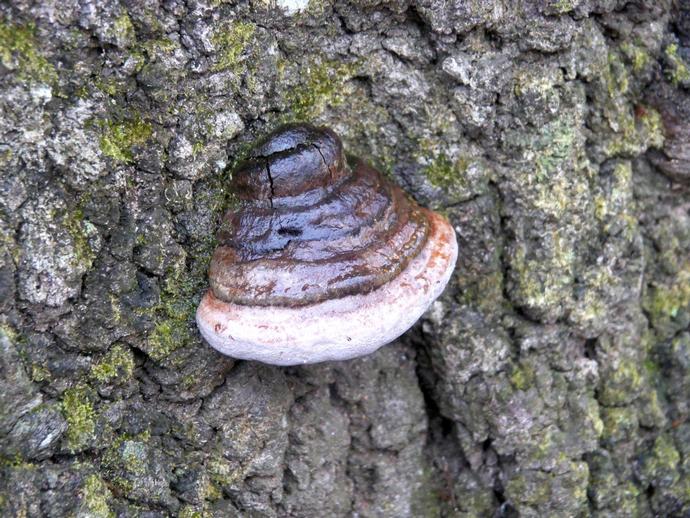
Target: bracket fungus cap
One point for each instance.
(322, 260)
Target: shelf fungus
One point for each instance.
(324, 260)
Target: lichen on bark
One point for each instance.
(551, 378)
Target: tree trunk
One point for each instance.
(552, 378)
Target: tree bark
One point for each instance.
(552, 378)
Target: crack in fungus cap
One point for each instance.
(322, 261)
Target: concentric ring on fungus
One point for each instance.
(323, 260)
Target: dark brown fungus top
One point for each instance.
(310, 227)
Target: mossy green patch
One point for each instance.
(591, 308)
(522, 489)
(620, 423)
(661, 467)
(651, 414)
(544, 282)
(133, 456)
(197, 147)
(123, 28)
(189, 512)
(80, 416)
(109, 86)
(15, 461)
(592, 416)
(665, 301)
(231, 41)
(18, 51)
(95, 495)
(563, 6)
(322, 85)
(126, 462)
(78, 228)
(153, 47)
(39, 373)
(523, 376)
(444, 173)
(9, 332)
(175, 313)
(8, 245)
(677, 70)
(621, 385)
(536, 489)
(119, 137)
(617, 76)
(167, 336)
(652, 368)
(636, 131)
(224, 473)
(212, 491)
(636, 54)
(538, 85)
(5, 157)
(633, 130)
(118, 362)
(483, 291)
(184, 285)
(554, 177)
(561, 138)
(127, 454)
(621, 191)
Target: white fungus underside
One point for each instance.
(337, 329)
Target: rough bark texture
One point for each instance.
(551, 379)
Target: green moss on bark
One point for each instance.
(668, 304)
(445, 173)
(677, 71)
(119, 138)
(94, 497)
(78, 229)
(523, 377)
(231, 41)
(19, 52)
(117, 363)
(80, 416)
(322, 85)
